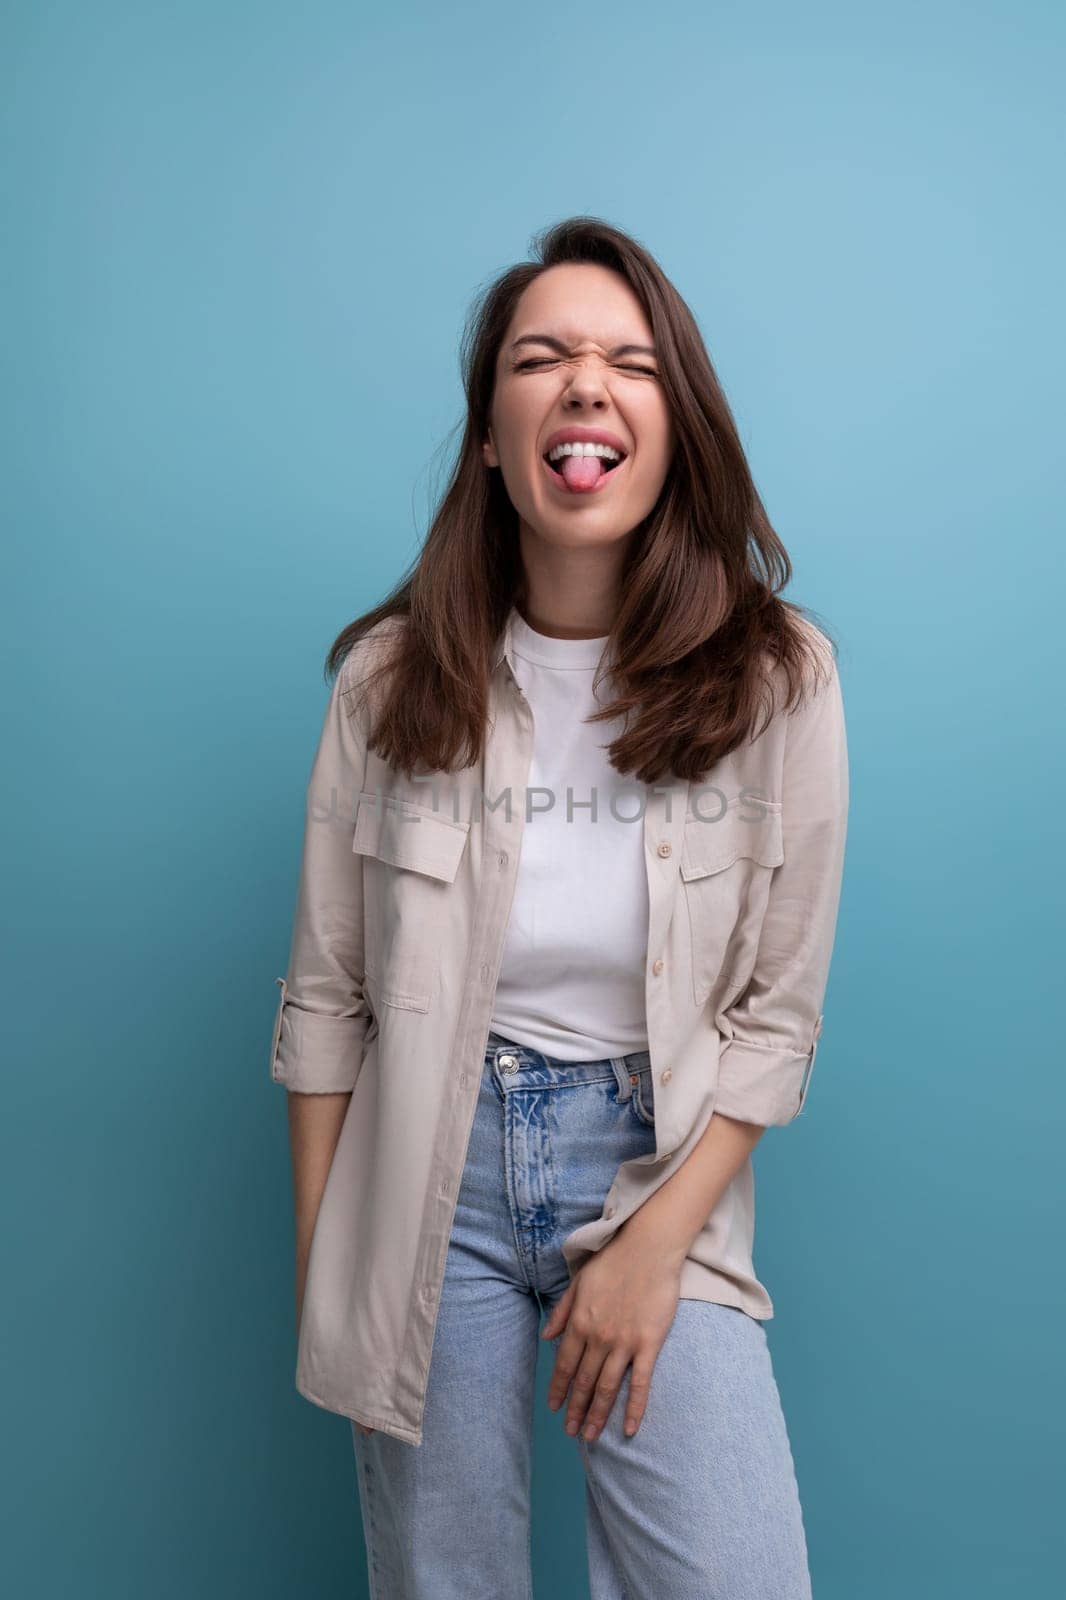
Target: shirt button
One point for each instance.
(665, 848)
(609, 1211)
(503, 858)
(667, 1075)
(657, 968)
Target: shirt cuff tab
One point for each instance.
(315, 1054)
(762, 1085)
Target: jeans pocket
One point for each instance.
(642, 1099)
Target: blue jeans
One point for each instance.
(701, 1503)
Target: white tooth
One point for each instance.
(581, 448)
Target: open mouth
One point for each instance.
(583, 474)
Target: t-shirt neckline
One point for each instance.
(547, 651)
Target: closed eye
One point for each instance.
(550, 361)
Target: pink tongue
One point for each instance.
(581, 472)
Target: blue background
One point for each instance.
(240, 242)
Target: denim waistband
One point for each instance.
(533, 1065)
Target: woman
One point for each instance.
(570, 878)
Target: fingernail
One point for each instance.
(571, 1427)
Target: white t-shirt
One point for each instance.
(572, 977)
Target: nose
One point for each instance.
(586, 392)
(587, 385)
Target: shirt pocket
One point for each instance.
(726, 869)
(411, 858)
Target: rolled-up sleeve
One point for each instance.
(770, 1034)
(322, 1017)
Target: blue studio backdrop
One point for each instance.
(240, 242)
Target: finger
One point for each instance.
(605, 1394)
(639, 1389)
(559, 1314)
(567, 1360)
(584, 1384)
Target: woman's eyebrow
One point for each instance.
(557, 344)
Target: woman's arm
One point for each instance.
(619, 1307)
(322, 1016)
(770, 1033)
(315, 1122)
(674, 1216)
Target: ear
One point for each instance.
(488, 452)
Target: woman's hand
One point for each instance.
(617, 1310)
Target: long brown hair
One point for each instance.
(700, 625)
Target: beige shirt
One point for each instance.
(403, 905)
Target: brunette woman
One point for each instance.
(571, 868)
